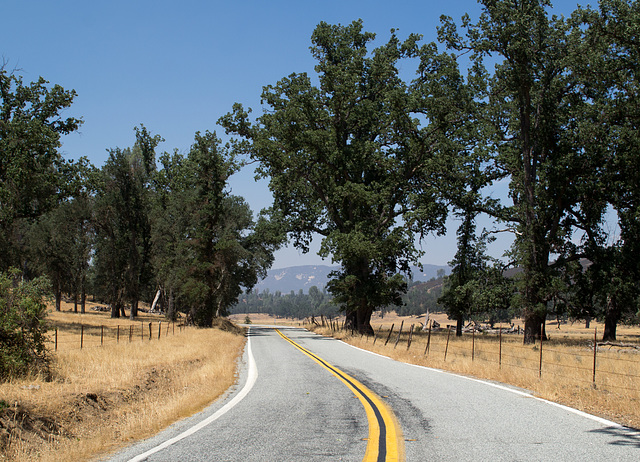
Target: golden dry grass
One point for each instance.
(567, 363)
(103, 397)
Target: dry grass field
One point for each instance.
(102, 397)
(564, 373)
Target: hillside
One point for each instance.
(304, 277)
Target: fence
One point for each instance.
(80, 336)
(585, 365)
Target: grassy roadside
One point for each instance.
(103, 397)
(566, 375)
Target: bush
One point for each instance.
(22, 325)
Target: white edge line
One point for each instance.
(251, 380)
(503, 387)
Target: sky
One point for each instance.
(177, 67)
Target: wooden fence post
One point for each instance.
(150, 330)
(159, 328)
(81, 336)
(375, 337)
(447, 347)
(473, 344)
(410, 336)
(595, 350)
(142, 330)
(130, 332)
(101, 335)
(389, 336)
(399, 333)
(118, 334)
(541, 337)
(500, 349)
(56, 349)
(426, 349)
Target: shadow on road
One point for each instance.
(622, 436)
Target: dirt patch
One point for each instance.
(20, 424)
(227, 326)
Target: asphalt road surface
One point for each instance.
(302, 397)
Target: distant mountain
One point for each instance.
(304, 277)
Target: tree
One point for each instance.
(617, 28)
(30, 130)
(607, 75)
(348, 159)
(229, 250)
(59, 241)
(206, 245)
(533, 109)
(468, 264)
(123, 235)
(171, 224)
(22, 325)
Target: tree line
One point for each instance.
(143, 227)
(369, 160)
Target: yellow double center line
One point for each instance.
(385, 435)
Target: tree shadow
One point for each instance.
(621, 436)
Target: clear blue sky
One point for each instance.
(176, 67)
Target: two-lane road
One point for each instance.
(293, 403)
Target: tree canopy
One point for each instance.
(355, 158)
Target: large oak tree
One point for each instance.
(355, 157)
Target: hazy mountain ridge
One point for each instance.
(304, 277)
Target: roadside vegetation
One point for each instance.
(98, 399)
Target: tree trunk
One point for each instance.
(58, 299)
(134, 310)
(75, 302)
(533, 326)
(362, 317)
(611, 318)
(115, 309)
(459, 322)
(83, 298)
(171, 314)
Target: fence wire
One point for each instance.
(587, 368)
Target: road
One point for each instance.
(302, 397)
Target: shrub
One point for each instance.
(22, 325)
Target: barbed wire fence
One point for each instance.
(590, 364)
(82, 336)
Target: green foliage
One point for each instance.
(59, 243)
(22, 325)
(122, 224)
(421, 297)
(207, 247)
(30, 165)
(533, 123)
(350, 159)
(293, 305)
